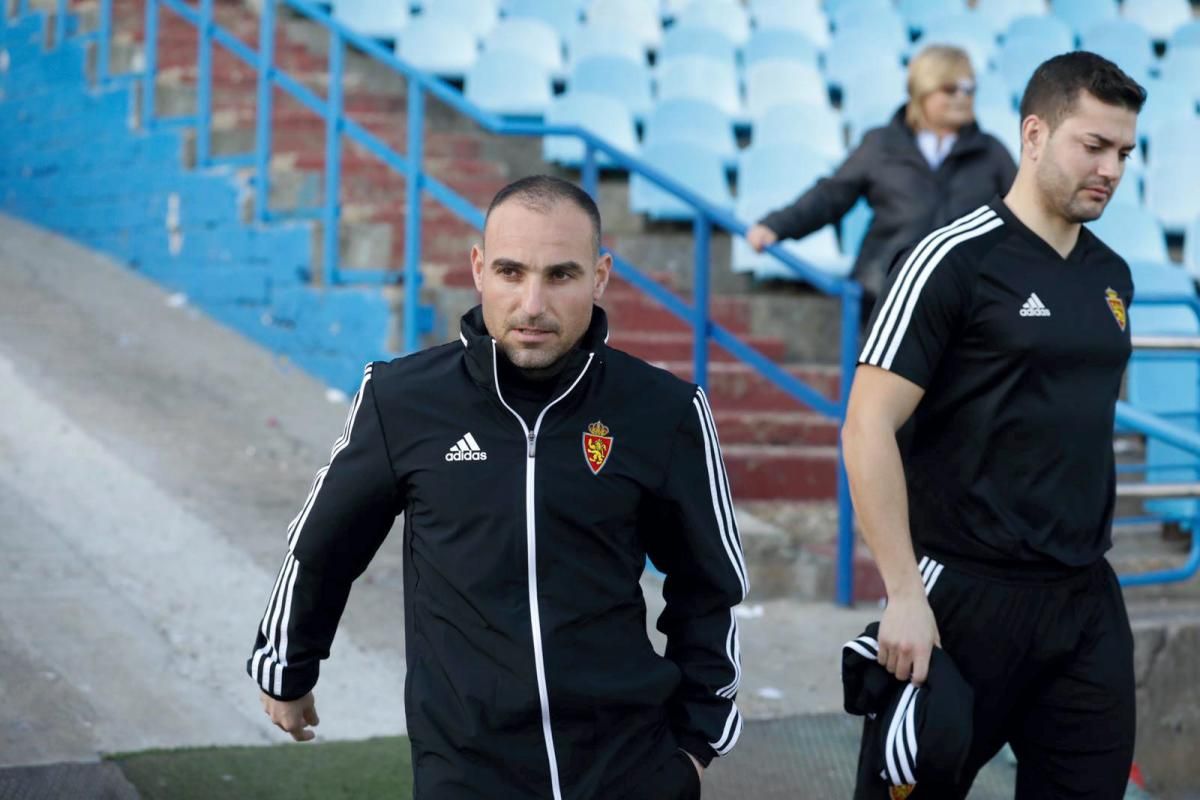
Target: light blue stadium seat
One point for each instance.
(477, 16)
(1003, 123)
(779, 82)
(585, 44)
(847, 12)
(963, 30)
(1167, 102)
(887, 30)
(920, 13)
(999, 14)
(697, 168)
(801, 16)
(870, 97)
(854, 226)
(688, 119)
(851, 54)
(438, 46)
(531, 38)
(1082, 14)
(688, 39)
(1124, 42)
(1185, 36)
(1159, 17)
(1154, 277)
(606, 117)
(637, 17)
(1171, 191)
(770, 176)
(1191, 248)
(778, 43)
(817, 128)
(1169, 388)
(1129, 190)
(627, 81)
(669, 8)
(377, 18)
(509, 83)
(1174, 140)
(1028, 42)
(1133, 232)
(1183, 66)
(727, 16)
(701, 78)
(564, 17)
(992, 90)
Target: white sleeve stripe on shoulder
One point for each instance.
(885, 321)
(911, 304)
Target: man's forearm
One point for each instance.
(877, 485)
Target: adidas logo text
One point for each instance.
(466, 449)
(1034, 307)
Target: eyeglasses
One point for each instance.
(964, 87)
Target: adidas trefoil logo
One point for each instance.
(466, 449)
(1034, 307)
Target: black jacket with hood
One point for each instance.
(908, 198)
(530, 673)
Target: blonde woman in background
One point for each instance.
(928, 166)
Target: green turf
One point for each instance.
(296, 771)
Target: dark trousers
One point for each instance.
(1051, 663)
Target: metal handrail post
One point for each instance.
(60, 24)
(104, 47)
(150, 56)
(591, 172)
(412, 218)
(262, 130)
(333, 160)
(702, 234)
(204, 84)
(851, 312)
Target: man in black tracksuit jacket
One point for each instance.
(536, 469)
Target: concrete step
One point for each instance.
(657, 346)
(765, 472)
(776, 428)
(739, 387)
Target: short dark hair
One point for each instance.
(543, 192)
(1053, 91)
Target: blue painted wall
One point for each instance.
(72, 162)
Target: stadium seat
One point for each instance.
(585, 44)
(843, 13)
(1082, 14)
(380, 19)
(625, 80)
(477, 16)
(1167, 102)
(669, 8)
(818, 128)
(1125, 43)
(438, 46)
(562, 17)
(509, 83)
(1129, 190)
(920, 13)
(1159, 17)
(992, 90)
(799, 16)
(727, 16)
(964, 31)
(853, 227)
(687, 119)
(1003, 123)
(703, 79)
(1185, 36)
(688, 39)
(776, 43)
(887, 30)
(695, 167)
(1132, 232)
(1174, 140)
(778, 82)
(530, 38)
(1183, 66)
(770, 176)
(1153, 277)
(1171, 191)
(870, 97)
(637, 17)
(1028, 42)
(606, 117)
(999, 14)
(851, 54)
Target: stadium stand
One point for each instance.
(693, 165)
(1125, 43)
(530, 38)
(691, 119)
(607, 117)
(509, 83)
(373, 17)
(439, 46)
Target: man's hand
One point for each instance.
(695, 762)
(907, 635)
(760, 236)
(293, 716)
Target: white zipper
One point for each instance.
(535, 617)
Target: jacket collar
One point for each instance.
(481, 349)
(900, 134)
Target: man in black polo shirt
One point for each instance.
(998, 345)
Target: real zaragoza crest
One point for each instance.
(597, 445)
(1116, 306)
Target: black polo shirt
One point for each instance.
(1008, 456)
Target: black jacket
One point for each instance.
(909, 199)
(529, 670)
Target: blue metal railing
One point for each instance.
(410, 165)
